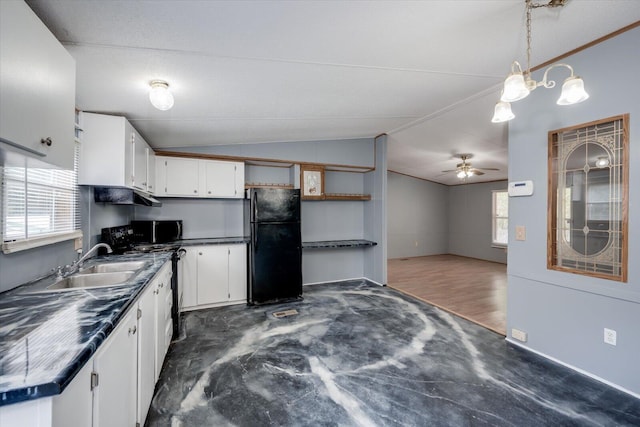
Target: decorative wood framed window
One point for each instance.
(587, 224)
(312, 181)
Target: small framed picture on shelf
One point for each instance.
(312, 181)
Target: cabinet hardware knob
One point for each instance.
(132, 331)
(209, 192)
(199, 253)
(195, 191)
(47, 141)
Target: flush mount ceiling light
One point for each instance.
(160, 95)
(519, 84)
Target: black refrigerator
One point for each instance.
(272, 221)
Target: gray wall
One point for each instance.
(418, 217)
(426, 218)
(321, 220)
(564, 314)
(375, 215)
(201, 218)
(469, 214)
(31, 264)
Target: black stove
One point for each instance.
(123, 241)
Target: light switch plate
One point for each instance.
(521, 232)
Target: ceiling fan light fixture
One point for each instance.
(502, 112)
(461, 174)
(160, 96)
(572, 91)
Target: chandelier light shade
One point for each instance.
(160, 95)
(519, 84)
(572, 91)
(502, 112)
(515, 87)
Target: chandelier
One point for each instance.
(519, 84)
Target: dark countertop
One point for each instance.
(329, 244)
(212, 241)
(47, 337)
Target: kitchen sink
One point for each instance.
(112, 267)
(95, 280)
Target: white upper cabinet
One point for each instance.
(38, 87)
(151, 171)
(112, 153)
(182, 177)
(221, 179)
(176, 177)
(140, 160)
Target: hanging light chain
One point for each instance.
(528, 71)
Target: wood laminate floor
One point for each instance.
(470, 288)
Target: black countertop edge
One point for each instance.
(212, 241)
(103, 307)
(329, 244)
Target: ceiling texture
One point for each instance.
(427, 73)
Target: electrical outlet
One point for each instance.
(519, 335)
(521, 232)
(610, 336)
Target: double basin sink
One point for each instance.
(99, 275)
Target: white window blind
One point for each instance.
(39, 202)
(500, 216)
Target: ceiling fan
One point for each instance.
(465, 170)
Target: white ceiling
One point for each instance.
(425, 72)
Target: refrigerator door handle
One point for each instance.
(255, 206)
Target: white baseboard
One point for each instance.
(582, 371)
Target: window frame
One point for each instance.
(38, 240)
(495, 218)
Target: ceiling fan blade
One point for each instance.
(477, 172)
(488, 169)
(450, 170)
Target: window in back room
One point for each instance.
(500, 218)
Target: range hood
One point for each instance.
(123, 196)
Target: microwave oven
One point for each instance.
(156, 231)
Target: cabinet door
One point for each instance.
(37, 83)
(114, 399)
(104, 137)
(151, 171)
(188, 280)
(160, 349)
(213, 274)
(72, 408)
(146, 351)
(219, 178)
(237, 272)
(181, 177)
(140, 149)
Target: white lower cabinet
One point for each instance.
(146, 351)
(116, 385)
(163, 320)
(214, 275)
(74, 406)
(115, 375)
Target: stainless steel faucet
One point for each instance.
(91, 251)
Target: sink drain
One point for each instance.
(285, 313)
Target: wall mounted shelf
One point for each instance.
(338, 244)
